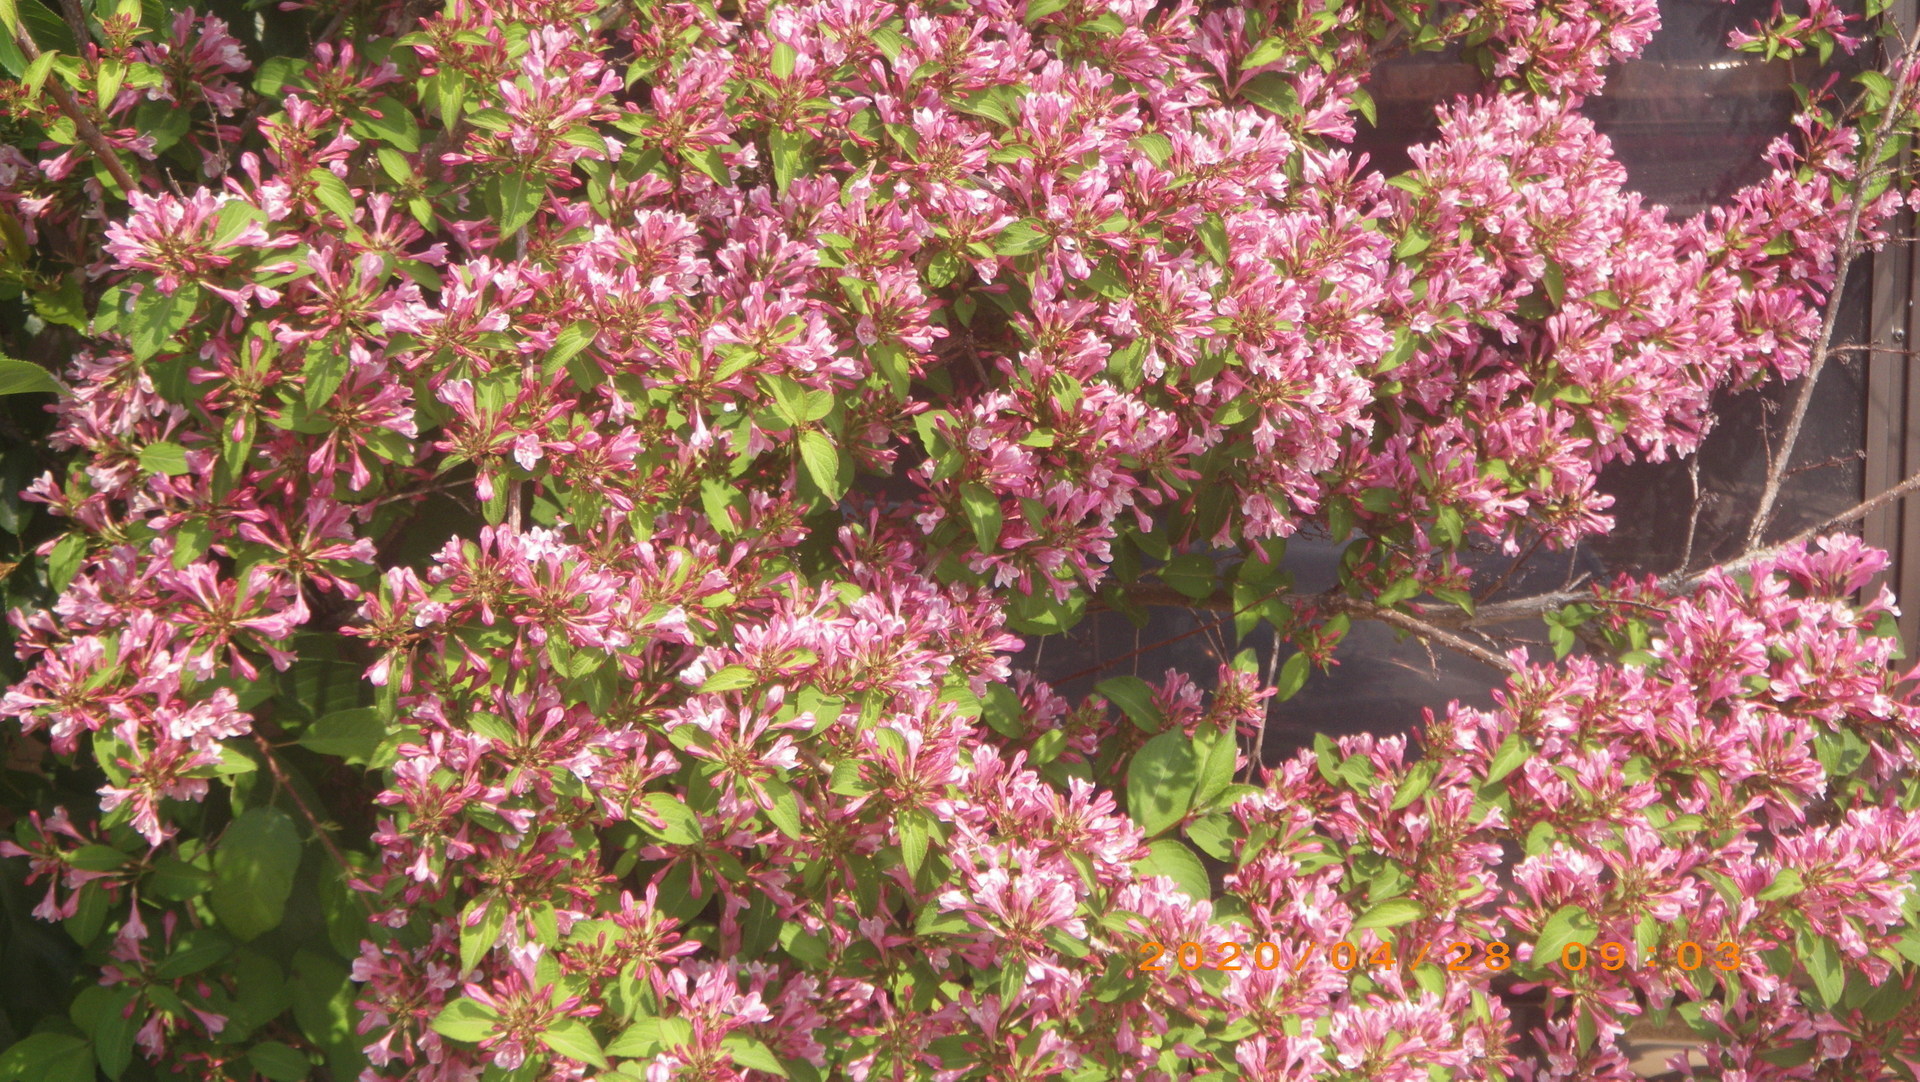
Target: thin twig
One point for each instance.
(1511, 568)
(1165, 596)
(1693, 519)
(1440, 627)
(76, 23)
(1842, 260)
(1111, 662)
(1147, 593)
(326, 840)
(1896, 351)
(1852, 514)
(1266, 713)
(81, 125)
(1682, 581)
(1836, 460)
(1408, 622)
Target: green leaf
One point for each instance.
(274, 73)
(1401, 590)
(1128, 364)
(1021, 238)
(731, 678)
(331, 192)
(98, 1012)
(159, 316)
(1273, 92)
(64, 562)
(1046, 747)
(571, 1038)
(325, 368)
(1507, 758)
(649, 1035)
(465, 1020)
(1158, 148)
(354, 735)
(1171, 858)
(48, 1057)
(164, 458)
(983, 514)
(1340, 517)
(789, 398)
(708, 161)
(823, 462)
(478, 937)
(193, 952)
(1293, 676)
(97, 858)
(1161, 781)
(1419, 778)
(1401, 352)
(323, 998)
(520, 197)
(788, 151)
(1569, 924)
(1135, 699)
(568, 344)
(253, 872)
(22, 377)
(943, 268)
(784, 56)
(915, 830)
(1389, 914)
(1822, 960)
(682, 825)
(752, 1054)
(1363, 104)
(1217, 751)
(890, 42)
(394, 126)
(1879, 88)
(1265, 53)
(1555, 281)
(1190, 573)
(1213, 236)
(280, 1062)
(1213, 836)
(785, 810)
(190, 540)
(1785, 885)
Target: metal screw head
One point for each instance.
(1899, 334)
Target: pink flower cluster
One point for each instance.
(676, 449)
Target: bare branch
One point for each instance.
(1443, 628)
(1842, 260)
(1523, 608)
(76, 22)
(1147, 593)
(1425, 630)
(320, 831)
(1513, 567)
(1693, 519)
(109, 159)
(1266, 715)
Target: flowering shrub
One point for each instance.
(552, 492)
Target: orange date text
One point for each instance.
(1456, 957)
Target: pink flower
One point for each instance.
(181, 239)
